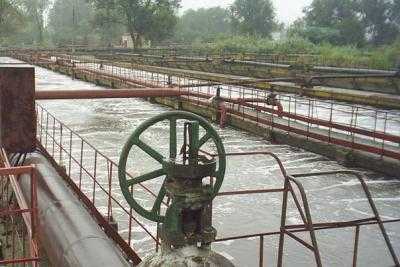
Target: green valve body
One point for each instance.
(188, 218)
(191, 185)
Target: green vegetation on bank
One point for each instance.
(382, 57)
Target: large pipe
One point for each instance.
(258, 63)
(67, 232)
(353, 70)
(317, 68)
(106, 93)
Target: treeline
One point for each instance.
(350, 22)
(22, 21)
(249, 24)
(85, 22)
(338, 22)
(359, 33)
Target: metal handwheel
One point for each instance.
(165, 163)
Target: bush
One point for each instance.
(246, 44)
(294, 45)
(385, 57)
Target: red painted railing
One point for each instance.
(356, 127)
(19, 219)
(94, 178)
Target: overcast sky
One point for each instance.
(287, 10)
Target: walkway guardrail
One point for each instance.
(291, 182)
(19, 220)
(356, 127)
(92, 175)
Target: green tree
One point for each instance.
(10, 17)
(380, 18)
(334, 21)
(352, 21)
(315, 34)
(36, 12)
(203, 24)
(69, 22)
(12, 20)
(395, 12)
(107, 21)
(151, 19)
(253, 17)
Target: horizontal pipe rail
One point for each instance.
(320, 227)
(106, 93)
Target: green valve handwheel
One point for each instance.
(134, 140)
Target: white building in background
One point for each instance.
(126, 41)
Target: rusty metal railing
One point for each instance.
(93, 176)
(356, 127)
(81, 163)
(376, 141)
(303, 208)
(19, 220)
(310, 226)
(352, 126)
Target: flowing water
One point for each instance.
(107, 124)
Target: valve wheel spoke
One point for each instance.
(145, 177)
(204, 139)
(150, 151)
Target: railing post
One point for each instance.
(384, 131)
(94, 177)
(70, 153)
(355, 251)
(283, 221)
(330, 122)
(80, 166)
(261, 257)
(61, 143)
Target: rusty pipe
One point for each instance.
(107, 93)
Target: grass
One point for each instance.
(385, 57)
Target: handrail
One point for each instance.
(29, 213)
(361, 179)
(309, 225)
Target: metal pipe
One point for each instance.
(257, 63)
(106, 93)
(68, 233)
(352, 70)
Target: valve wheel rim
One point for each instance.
(134, 140)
